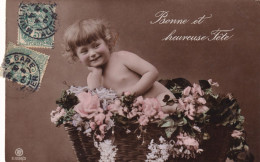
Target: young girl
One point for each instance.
(92, 41)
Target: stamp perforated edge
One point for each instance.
(37, 46)
(11, 46)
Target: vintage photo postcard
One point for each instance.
(170, 80)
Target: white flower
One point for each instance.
(79, 128)
(213, 83)
(107, 151)
(161, 139)
(106, 96)
(88, 131)
(110, 124)
(76, 120)
(77, 90)
(230, 96)
(199, 151)
(57, 114)
(159, 152)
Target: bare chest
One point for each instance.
(118, 77)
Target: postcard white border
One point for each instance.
(2, 80)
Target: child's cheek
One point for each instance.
(83, 60)
(101, 48)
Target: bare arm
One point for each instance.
(94, 79)
(148, 72)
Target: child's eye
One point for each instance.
(96, 45)
(84, 52)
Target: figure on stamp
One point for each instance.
(36, 22)
(92, 42)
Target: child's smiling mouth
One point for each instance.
(95, 59)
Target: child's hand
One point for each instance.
(95, 70)
(94, 77)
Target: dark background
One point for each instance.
(234, 64)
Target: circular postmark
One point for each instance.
(37, 20)
(22, 69)
(18, 152)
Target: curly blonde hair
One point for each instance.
(83, 32)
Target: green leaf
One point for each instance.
(170, 131)
(225, 123)
(206, 136)
(161, 122)
(238, 127)
(169, 123)
(182, 122)
(239, 147)
(241, 119)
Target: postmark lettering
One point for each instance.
(24, 66)
(17, 70)
(36, 24)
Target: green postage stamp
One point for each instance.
(24, 66)
(36, 25)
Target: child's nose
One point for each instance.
(92, 54)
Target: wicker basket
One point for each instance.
(134, 150)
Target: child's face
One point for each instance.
(94, 54)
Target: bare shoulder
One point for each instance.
(125, 55)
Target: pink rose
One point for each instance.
(108, 116)
(201, 100)
(132, 114)
(151, 106)
(88, 106)
(102, 128)
(236, 134)
(181, 102)
(202, 109)
(116, 108)
(186, 91)
(92, 125)
(58, 108)
(189, 99)
(99, 118)
(100, 137)
(143, 120)
(230, 96)
(190, 111)
(213, 83)
(125, 109)
(197, 89)
(181, 106)
(191, 142)
(139, 101)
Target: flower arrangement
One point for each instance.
(96, 113)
